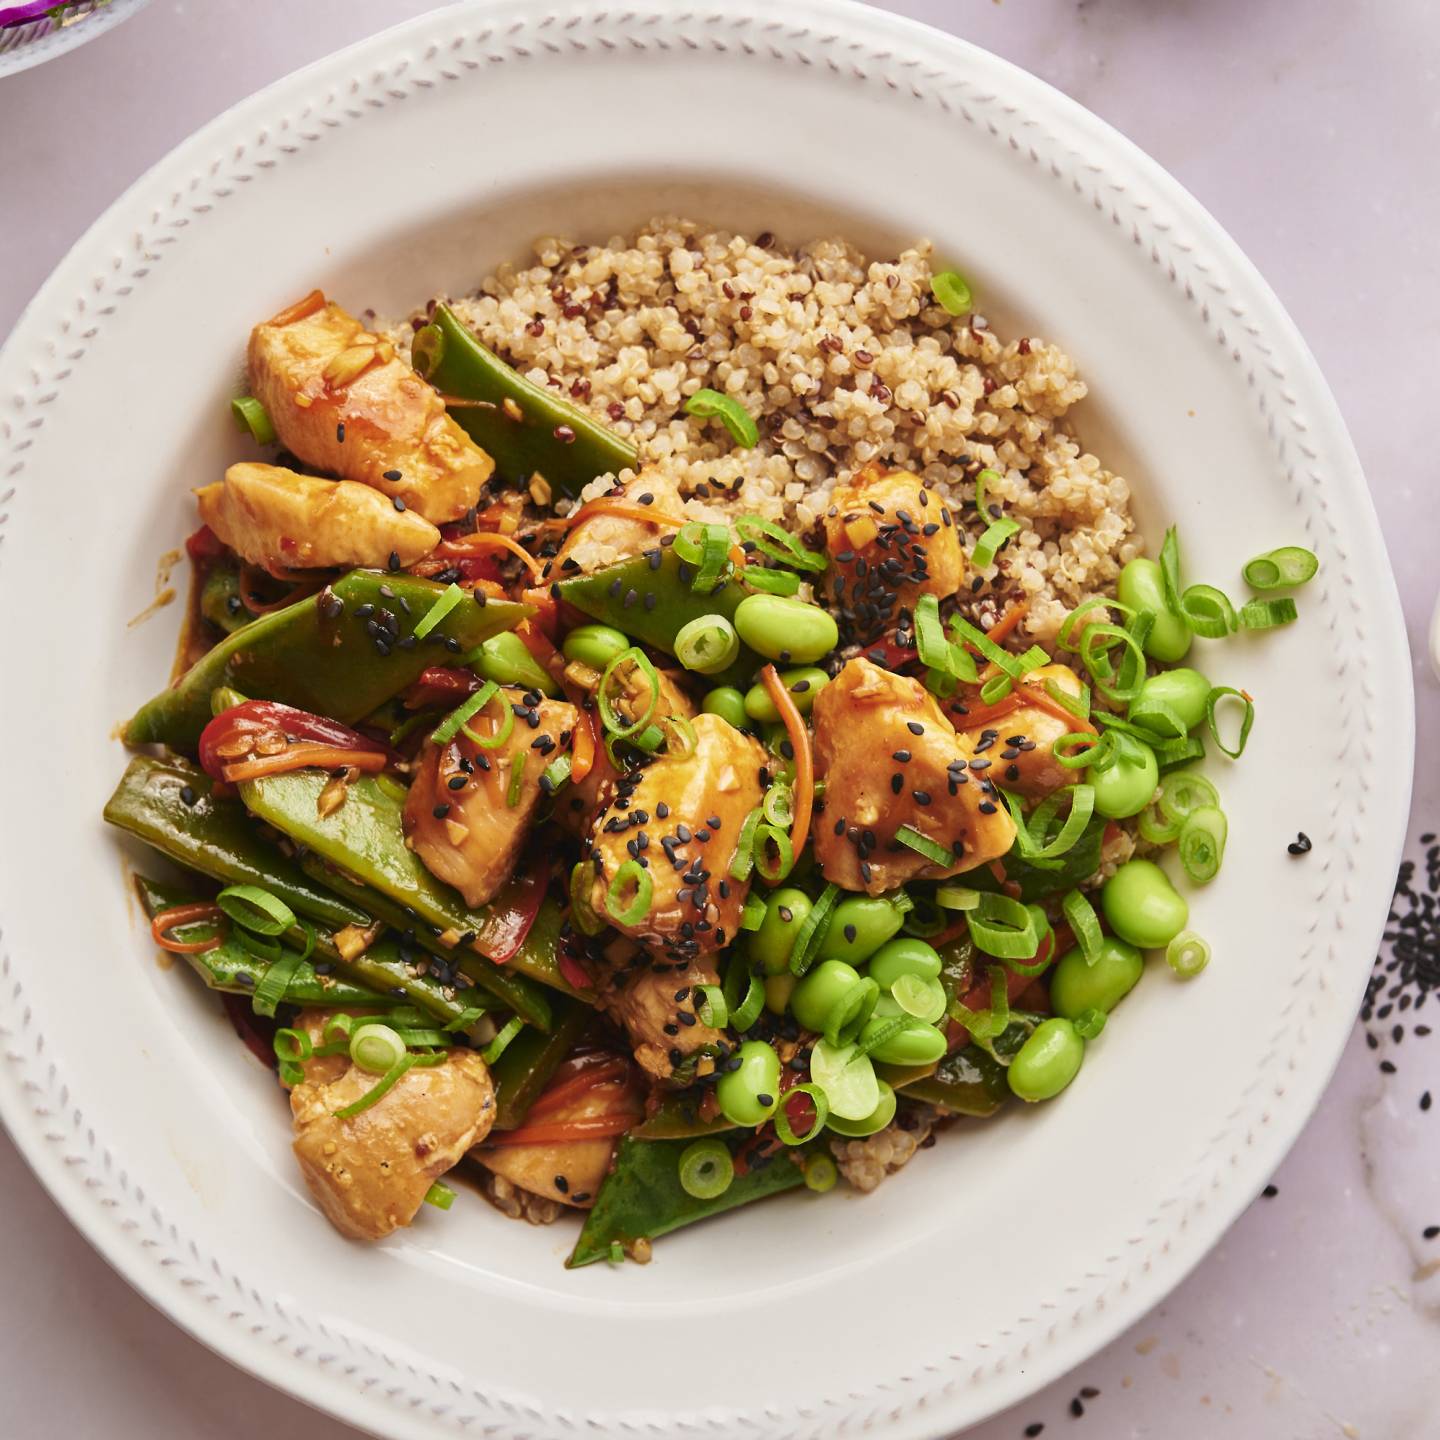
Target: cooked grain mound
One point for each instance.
(842, 361)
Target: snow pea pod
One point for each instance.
(642, 1197)
(365, 838)
(652, 602)
(677, 1117)
(231, 968)
(524, 427)
(220, 600)
(531, 1058)
(969, 1082)
(318, 658)
(169, 804)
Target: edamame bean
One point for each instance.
(1047, 1062)
(1076, 985)
(505, 659)
(1142, 906)
(834, 1000)
(594, 645)
(729, 704)
(904, 956)
(749, 1093)
(876, 1120)
(771, 944)
(784, 629)
(1142, 587)
(916, 1044)
(1126, 786)
(1183, 690)
(804, 683)
(859, 926)
(778, 990)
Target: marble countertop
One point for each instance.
(1310, 131)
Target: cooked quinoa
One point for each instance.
(842, 361)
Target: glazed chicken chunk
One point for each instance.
(655, 1003)
(459, 815)
(890, 541)
(889, 757)
(281, 520)
(369, 1173)
(681, 817)
(569, 1171)
(341, 400)
(1022, 742)
(606, 539)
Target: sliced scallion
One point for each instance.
(501, 1043)
(445, 602)
(270, 992)
(1213, 700)
(707, 644)
(710, 1007)
(611, 718)
(951, 293)
(256, 910)
(774, 540)
(1279, 569)
(442, 1197)
(1089, 1023)
(1004, 928)
(706, 1169)
(1267, 614)
(711, 404)
(1202, 843)
(956, 897)
(1208, 612)
(631, 873)
(743, 860)
(783, 1127)
(1083, 921)
(753, 915)
(812, 931)
(251, 415)
(932, 850)
(1187, 954)
(376, 1047)
(992, 541)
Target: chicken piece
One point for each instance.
(1030, 732)
(890, 541)
(281, 520)
(341, 400)
(580, 802)
(459, 818)
(568, 1171)
(370, 1173)
(605, 539)
(656, 1006)
(889, 757)
(684, 815)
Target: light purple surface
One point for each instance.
(1310, 129)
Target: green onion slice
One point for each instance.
(785, 1130)
(706, 1169)
(1121, 683)
(707, 644)
(930, 642)
(458, 719)
(925, 918)
(376, 1047)
(1004, 928)
(744, 1009)
(1279, 569)
(251, 415)
(1169, 754)
(1267, 614)
(256, 910)
(442, 1197)
(1082, 919)
(743, 860)
(951, 293)
(809, 936)
(293, 1045)
(922, 997)
(517, 778)
(932, 850)
(821, 1173)
(847, 1016)
(1187, 954)
(779, 805)
(445, 602)
(711, 1007)
(772, 582)
(1077, 705)
(992, 541)
(1202, 843)
(1033, 838)
(1149, 708)
(274, 983)
(630, 873)
(582, 912)
(466, 1018)
(1217, 694)
(1065, 636)
(381, 1088)
(498, 1046)
(711, 404)
(1183, 793)
(1083, 750)
(775, 541)
(956, 897)
(1155, 828)
(1208, 612)
(613, 721)
(987, 1024)
(1089, 1023)
(1170, 568)
(753, 915)
(773, 871)
(555, 774)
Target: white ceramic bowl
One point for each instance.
(408, 165)
(25, 46)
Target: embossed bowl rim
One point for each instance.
(417, 159)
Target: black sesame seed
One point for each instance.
(914, 727)
(1270, 1192)
(562, 1184)
(441, 811)
(394, 561)
(1300, 845)
(187, 795)
(340, 432)
(1077, 1407)
(1431, 1231)
(392, 475)
(456, 782)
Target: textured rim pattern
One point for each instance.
(898, 66)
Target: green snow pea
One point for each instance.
(220, 600)
(531, 1058)
(969, 1082)
(169, 804)
(677, 1117)
(619, 595)
(642, 1198)
(537, 430)
(331, 666)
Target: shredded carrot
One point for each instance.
(1018, 698)
(1043, 700)
(258, 607)
(602, 1069)
(314, 301)
(1015, 612)
(191, 914)
(597, 1127)
(582, 748)
(300, 757)
(621, 510)
(977, 715)
(467, 545)
(804, 756)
